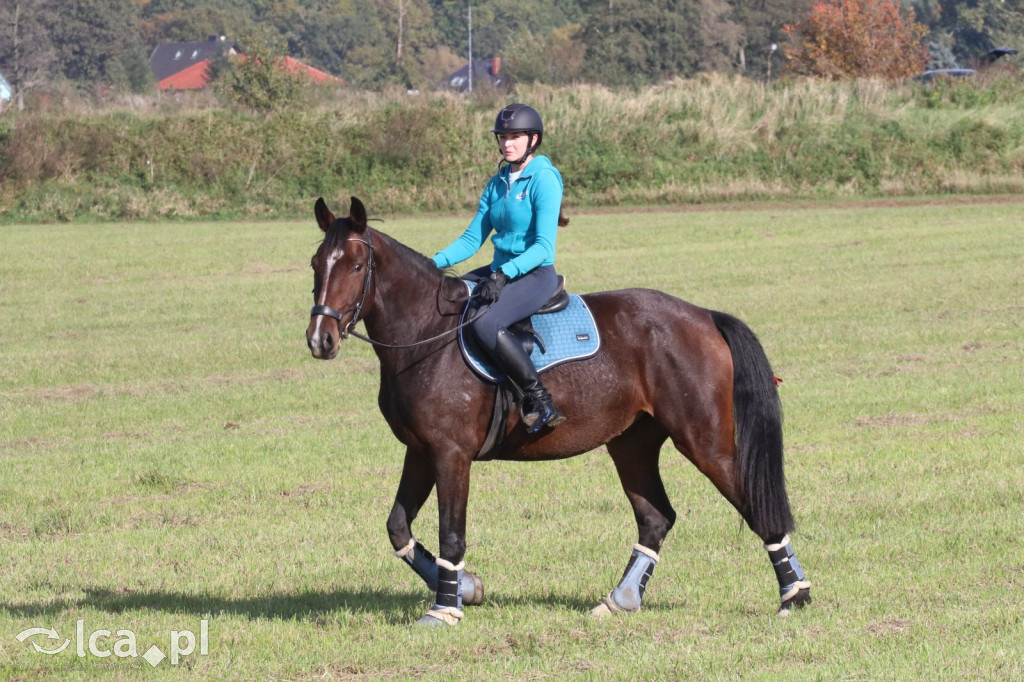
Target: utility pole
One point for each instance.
(470, 88)
(768, 80)
(401, 29)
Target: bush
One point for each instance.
(856, 39)
(257, 79)
(709, 139)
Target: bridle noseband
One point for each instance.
(357, 308)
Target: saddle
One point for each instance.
(562, 330)
(524, 330)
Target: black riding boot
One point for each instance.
(538, 408)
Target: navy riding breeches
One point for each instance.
(520, 298)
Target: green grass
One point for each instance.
(169, 453)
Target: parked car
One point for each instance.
(931, 74)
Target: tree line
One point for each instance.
(376, 44)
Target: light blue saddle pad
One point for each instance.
(569, 334)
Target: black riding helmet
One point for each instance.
(520, 118)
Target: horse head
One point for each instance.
(342, 277)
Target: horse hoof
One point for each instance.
(609, 607)
(441, 615)
(797, 601)
(472, 589)
(445, 617)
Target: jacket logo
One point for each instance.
(521, 196)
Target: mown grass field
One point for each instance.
(170, 453)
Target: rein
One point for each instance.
(357, 309)
(396, 346)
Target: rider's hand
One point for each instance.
(489, 290)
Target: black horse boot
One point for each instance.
(538, 409)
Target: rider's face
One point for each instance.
(513, 145)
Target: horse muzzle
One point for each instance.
(322, 346)
(323, 337)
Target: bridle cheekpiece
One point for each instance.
(357, 308)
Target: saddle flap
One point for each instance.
(526, 335)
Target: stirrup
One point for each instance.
(546, 416)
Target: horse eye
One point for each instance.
(358, 267)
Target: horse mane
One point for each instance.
(447, 282)
(415, 262)
(408, 253)
(340, 231)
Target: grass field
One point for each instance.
(170, 454)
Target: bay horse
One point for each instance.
(666, 369)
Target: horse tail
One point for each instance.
(757, 412)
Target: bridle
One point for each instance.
(357, 308)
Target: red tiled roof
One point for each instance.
(194, 77)
(197, 76)
(316, 75)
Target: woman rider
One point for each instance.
(521, 205)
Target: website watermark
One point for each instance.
(113, 647)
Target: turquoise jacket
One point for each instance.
(523, 217)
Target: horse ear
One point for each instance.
(324, 217)
(357, 214)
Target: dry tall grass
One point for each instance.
(707, 139)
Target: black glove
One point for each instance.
(489, 290)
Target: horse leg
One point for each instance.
(715, 453)
(635, 454)
(794, 587)
(416, 483)
(720, 466)
(746, 462)
(452, 476)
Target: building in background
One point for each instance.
(486, 74)
(186, 66)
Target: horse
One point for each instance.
(666, 369)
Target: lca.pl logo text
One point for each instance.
(182, 643)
